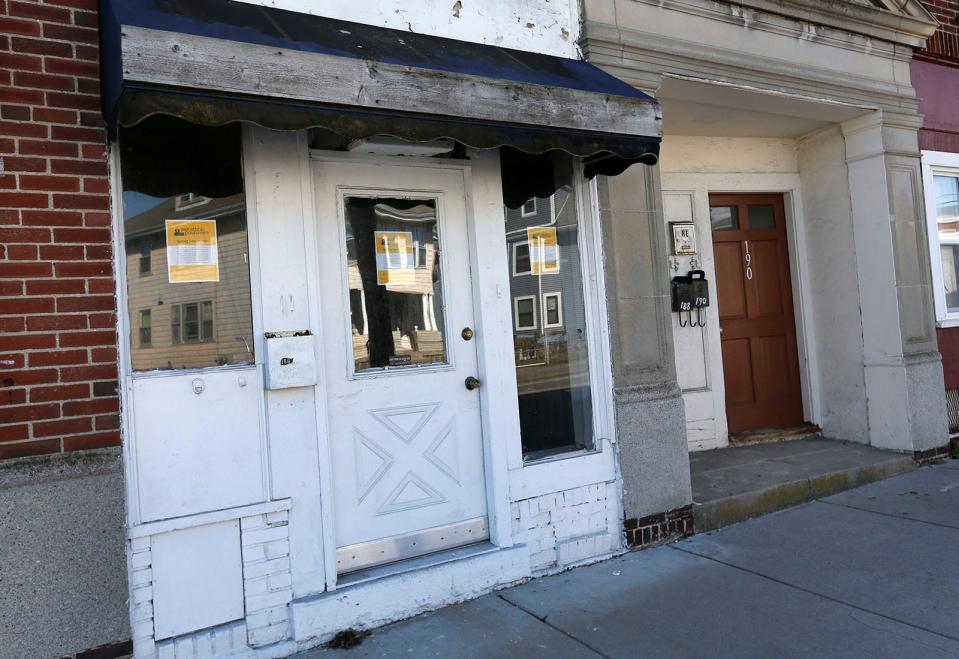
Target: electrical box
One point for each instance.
(290, 360)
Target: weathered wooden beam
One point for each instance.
(183, 60)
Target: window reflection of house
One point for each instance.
(549, 326)
(404, 324)
(189, 325)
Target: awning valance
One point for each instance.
(214, 62)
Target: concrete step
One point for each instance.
(735, 484)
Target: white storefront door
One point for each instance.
(404, 415)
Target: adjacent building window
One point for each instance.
(551, 351)
(192, 322)
(146, 327)
(146, 257)
(941, 183)
(521, 259)
(524, 313)
(552, 310)
(186, 246)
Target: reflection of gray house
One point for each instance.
(189, 325)
(539, 306)
(549, 323)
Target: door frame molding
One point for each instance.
(496, 415)
(790, 186)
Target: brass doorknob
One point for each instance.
(467, 333)
(472, 383)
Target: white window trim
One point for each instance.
(516, 325)
(517, 273)
(559, 310)
(522, 209)
(937, 163)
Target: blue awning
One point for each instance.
(214, 62)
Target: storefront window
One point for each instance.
(551, 352)
(946, 195)
(187, 255)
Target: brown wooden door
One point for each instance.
(758, 329)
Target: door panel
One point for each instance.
(405, 433)
(760, 357)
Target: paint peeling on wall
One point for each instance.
(543, 27)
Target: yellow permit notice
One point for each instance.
(394, 257)
(191, 251)
(543, 249)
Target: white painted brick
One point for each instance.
(183, 647)
(277, 517)
(281, 581)
(144, 647)
(266, 534)
(542, 559)
(165, 650)
(143, 612)
(222, 639)
(239, 635)
(252, 523)
(267, 600)
(140, 560)
(252, 570)
(141, 577)
(267, 635)
(142, 594)
(258, 586)
(203, 645)
(140, 544)
(276, 549)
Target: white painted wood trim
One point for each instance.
(178, 523)
(185, 60)
(559, 309)
(933, 163)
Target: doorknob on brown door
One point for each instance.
(472, 383)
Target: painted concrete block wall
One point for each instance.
(542, 27)
(835, 287)
(569, 527)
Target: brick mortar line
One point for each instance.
(553, 627)
(809, 591)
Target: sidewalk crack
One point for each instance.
(817, 594)
(543, 619)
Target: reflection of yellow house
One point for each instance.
(408, 262)
(189, 325)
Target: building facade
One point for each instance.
(935, 72)
(386, 343)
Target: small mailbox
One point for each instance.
(290, 360)
(690, 291)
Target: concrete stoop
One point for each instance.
(734, 484)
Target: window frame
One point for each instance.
(522, 209)
(149, 314)
(146, 257)
(516, 325)
(559, 310)
(938, 163)
(513, 261)
(177, 338)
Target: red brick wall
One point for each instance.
(944, 44)
(58, 355)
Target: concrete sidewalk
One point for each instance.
(866, 573)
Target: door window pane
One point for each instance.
(724, 218)
(551, 353)
(186, 247)
(762, 217)
(395, 282)
(946, 192)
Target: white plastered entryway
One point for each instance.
(727, 139)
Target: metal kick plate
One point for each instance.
(389, 550)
